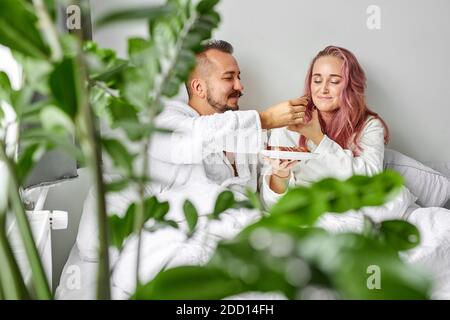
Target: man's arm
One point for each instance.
(284, 114)
(193, 138)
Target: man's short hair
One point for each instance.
(202, 59)
(220, 45)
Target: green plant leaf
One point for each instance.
(191, 283)
(171, 223)
(99, 100)
(136, 131)
(370, 228)
(64, 85)
(254, 199)
(27, 159)
(155, 209)
(121, 227)
(52, 140)
(191, 216)
(224, 201)
(36, 73)
(341, 196)
(259, 269)
(55, 120)
(205, 24)
(140, 75)
(119, 154)
(21, 98)
(376, 190)
(206, 6)
(5, 87)
(32, 111)
(121, 111)
(11, 281)
(103, 64)
(341, 262)
(193, 42)
(18, 29)
(111, 72)
(136, 87)
(292, 202)
(332, 195)
(39, 280)
(171, 87)
(147, 13)
(351, 259)
(117, 185)
(400, 235)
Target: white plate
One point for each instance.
(288, 155)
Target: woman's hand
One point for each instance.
(281, 168)
(311, 130)
(281, 171)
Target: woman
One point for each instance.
(346, 135)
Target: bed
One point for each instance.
(428, 210)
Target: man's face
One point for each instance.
(223, 82)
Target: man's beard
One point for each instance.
(222, 107)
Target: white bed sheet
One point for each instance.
(170, 246)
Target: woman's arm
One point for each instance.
(271, 187)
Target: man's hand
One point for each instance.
(310, 130)
(287, 113)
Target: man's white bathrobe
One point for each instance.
(188, 163)
(195, 150)
(191, 163)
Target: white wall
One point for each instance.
(406, 61)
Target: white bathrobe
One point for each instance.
(332, 160)
(190, 163)
(194, 152)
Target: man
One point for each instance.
(212, 141)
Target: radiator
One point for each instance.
(41, 223)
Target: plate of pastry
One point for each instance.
(288, 155)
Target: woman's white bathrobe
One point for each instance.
(332, 160)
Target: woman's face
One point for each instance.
(327, 83)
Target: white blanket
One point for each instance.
(169, 246)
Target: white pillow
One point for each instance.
(431, 187)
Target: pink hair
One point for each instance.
(348, 121)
